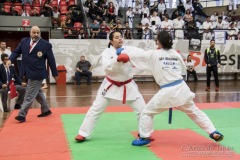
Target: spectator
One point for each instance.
(187, 16)
(139, 31)
(189, 7)
(207, 26)
(130, 15)
(102, 34)
(47, 8)
(3, 49)
(26, 1)
(232, 5)
(198, 9)
(92, 11)
(99, 19)
(55, 17)
(145, 10)
(35, 13)
(82, 34)
(138, 8)
(192, 29)
(145, 20)
(214, 19)
(147, 33)
(111, 13)
(178, 24)
(102, 11)
(84, 68)
(147, 3)
(174, 14)
(77, 15)
(161, 7)
(95, 29)
(155, 18)
(104, 25)
(6, 75)
(180, 7)
(167, 24)
(25, 13)
(154, 7)
(3, 12)
(222, 24)
(154, 29)
(233, 32)
(190, 68)
(128, 34)
(87, 5)
(14, 12)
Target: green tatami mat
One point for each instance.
(112, 136)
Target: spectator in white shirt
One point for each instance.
(130, 15)
(147, 32)
(145, 10)
(207, 26)
(145, 20)
(155, 29)
(3, 49)
(232, 5)
(190, 7)
(161, 7)
(55, 16)
(178, 24)
(232, 32)
(138, 8)
(166, 24)
(214, 19)
(155, 18)
(24, 13)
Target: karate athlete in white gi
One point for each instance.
(167, 67)
(117, 85)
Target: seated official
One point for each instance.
(83, 68)
(6, 75)
(190, 68)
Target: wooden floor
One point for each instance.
(83, 95)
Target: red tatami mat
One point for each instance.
(185, 144)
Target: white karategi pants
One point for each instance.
(178, 96)
(99, 106)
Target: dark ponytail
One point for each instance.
(111, 35)
(165, 39)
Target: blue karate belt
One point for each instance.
(169, 85)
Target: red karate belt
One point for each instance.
(119, 84)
